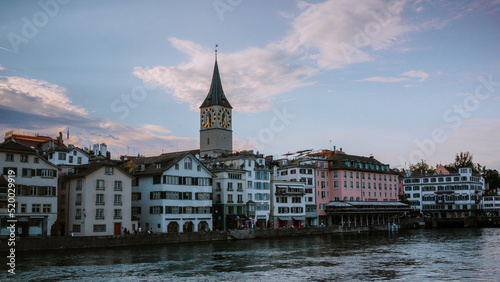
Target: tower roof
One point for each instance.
(216, 94)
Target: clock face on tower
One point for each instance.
(208, 117)
(224, 118)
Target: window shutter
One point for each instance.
(150, 210)
(150, 195)
(55, 172)
(38, 172)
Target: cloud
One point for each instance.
(36, 97)
(406, 76)
(156, 128)
(43, 107)
(1, 68)
(337, 33)
(416, 74)
(383, 79)
(322, 36)
(251, 78)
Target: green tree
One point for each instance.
(491, 177)
(403, 198)
(422, 167)
(465, 159)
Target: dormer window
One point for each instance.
(109, 170)
(188, 164)
(158, 165)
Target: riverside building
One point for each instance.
(447, 193)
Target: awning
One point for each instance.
(285, 218)
(236, 217)
(299, 218)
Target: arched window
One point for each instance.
(345, 198)
(352, 198)
(188, 164)
(358, 199)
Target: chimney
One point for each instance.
(104, 149)
(96, 150)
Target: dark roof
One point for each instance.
(87, 169)
(216, 94)
(3, 181)
(12, 146)
(338, 162)
(166, 160)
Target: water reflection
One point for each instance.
(456, 254)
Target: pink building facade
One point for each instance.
(343, 177)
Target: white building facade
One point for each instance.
(35, 187)
(99, 200)
(304, 174)
(288, 205)
(257, 187)
(445, 194)
(172, 193)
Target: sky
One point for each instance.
(399, 80)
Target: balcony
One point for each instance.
(289, 190)
(239, 189)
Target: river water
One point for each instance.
(425, 254)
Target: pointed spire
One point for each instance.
(216, 93)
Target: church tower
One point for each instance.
(216, 134)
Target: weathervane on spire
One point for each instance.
(216, 45)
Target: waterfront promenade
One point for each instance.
(66, 242)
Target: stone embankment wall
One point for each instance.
(60, 242)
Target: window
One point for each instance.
(99, 227)
(249, 196)
(24, 158)
(136, 210)
(199, 168)
(108, 170)
(335, 174)
(230, 198)
(47, 173)
(23, 208)
(9, 157)
(99, 214)
(62, 156)
(78, 214)
(33, 191)
(117, 214)
(78, 199)
(76, 228)
(156, 210)
(79, 184)
(36, 160)
(99, 184)
(27, 172)
(49, 191)
(176, 166)
(79, 160)
(136, 196)
(35, 208)
(99, 199)
(240, 198)
(118, 185)
(188, 164)
(70, 159)
(118, 200)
